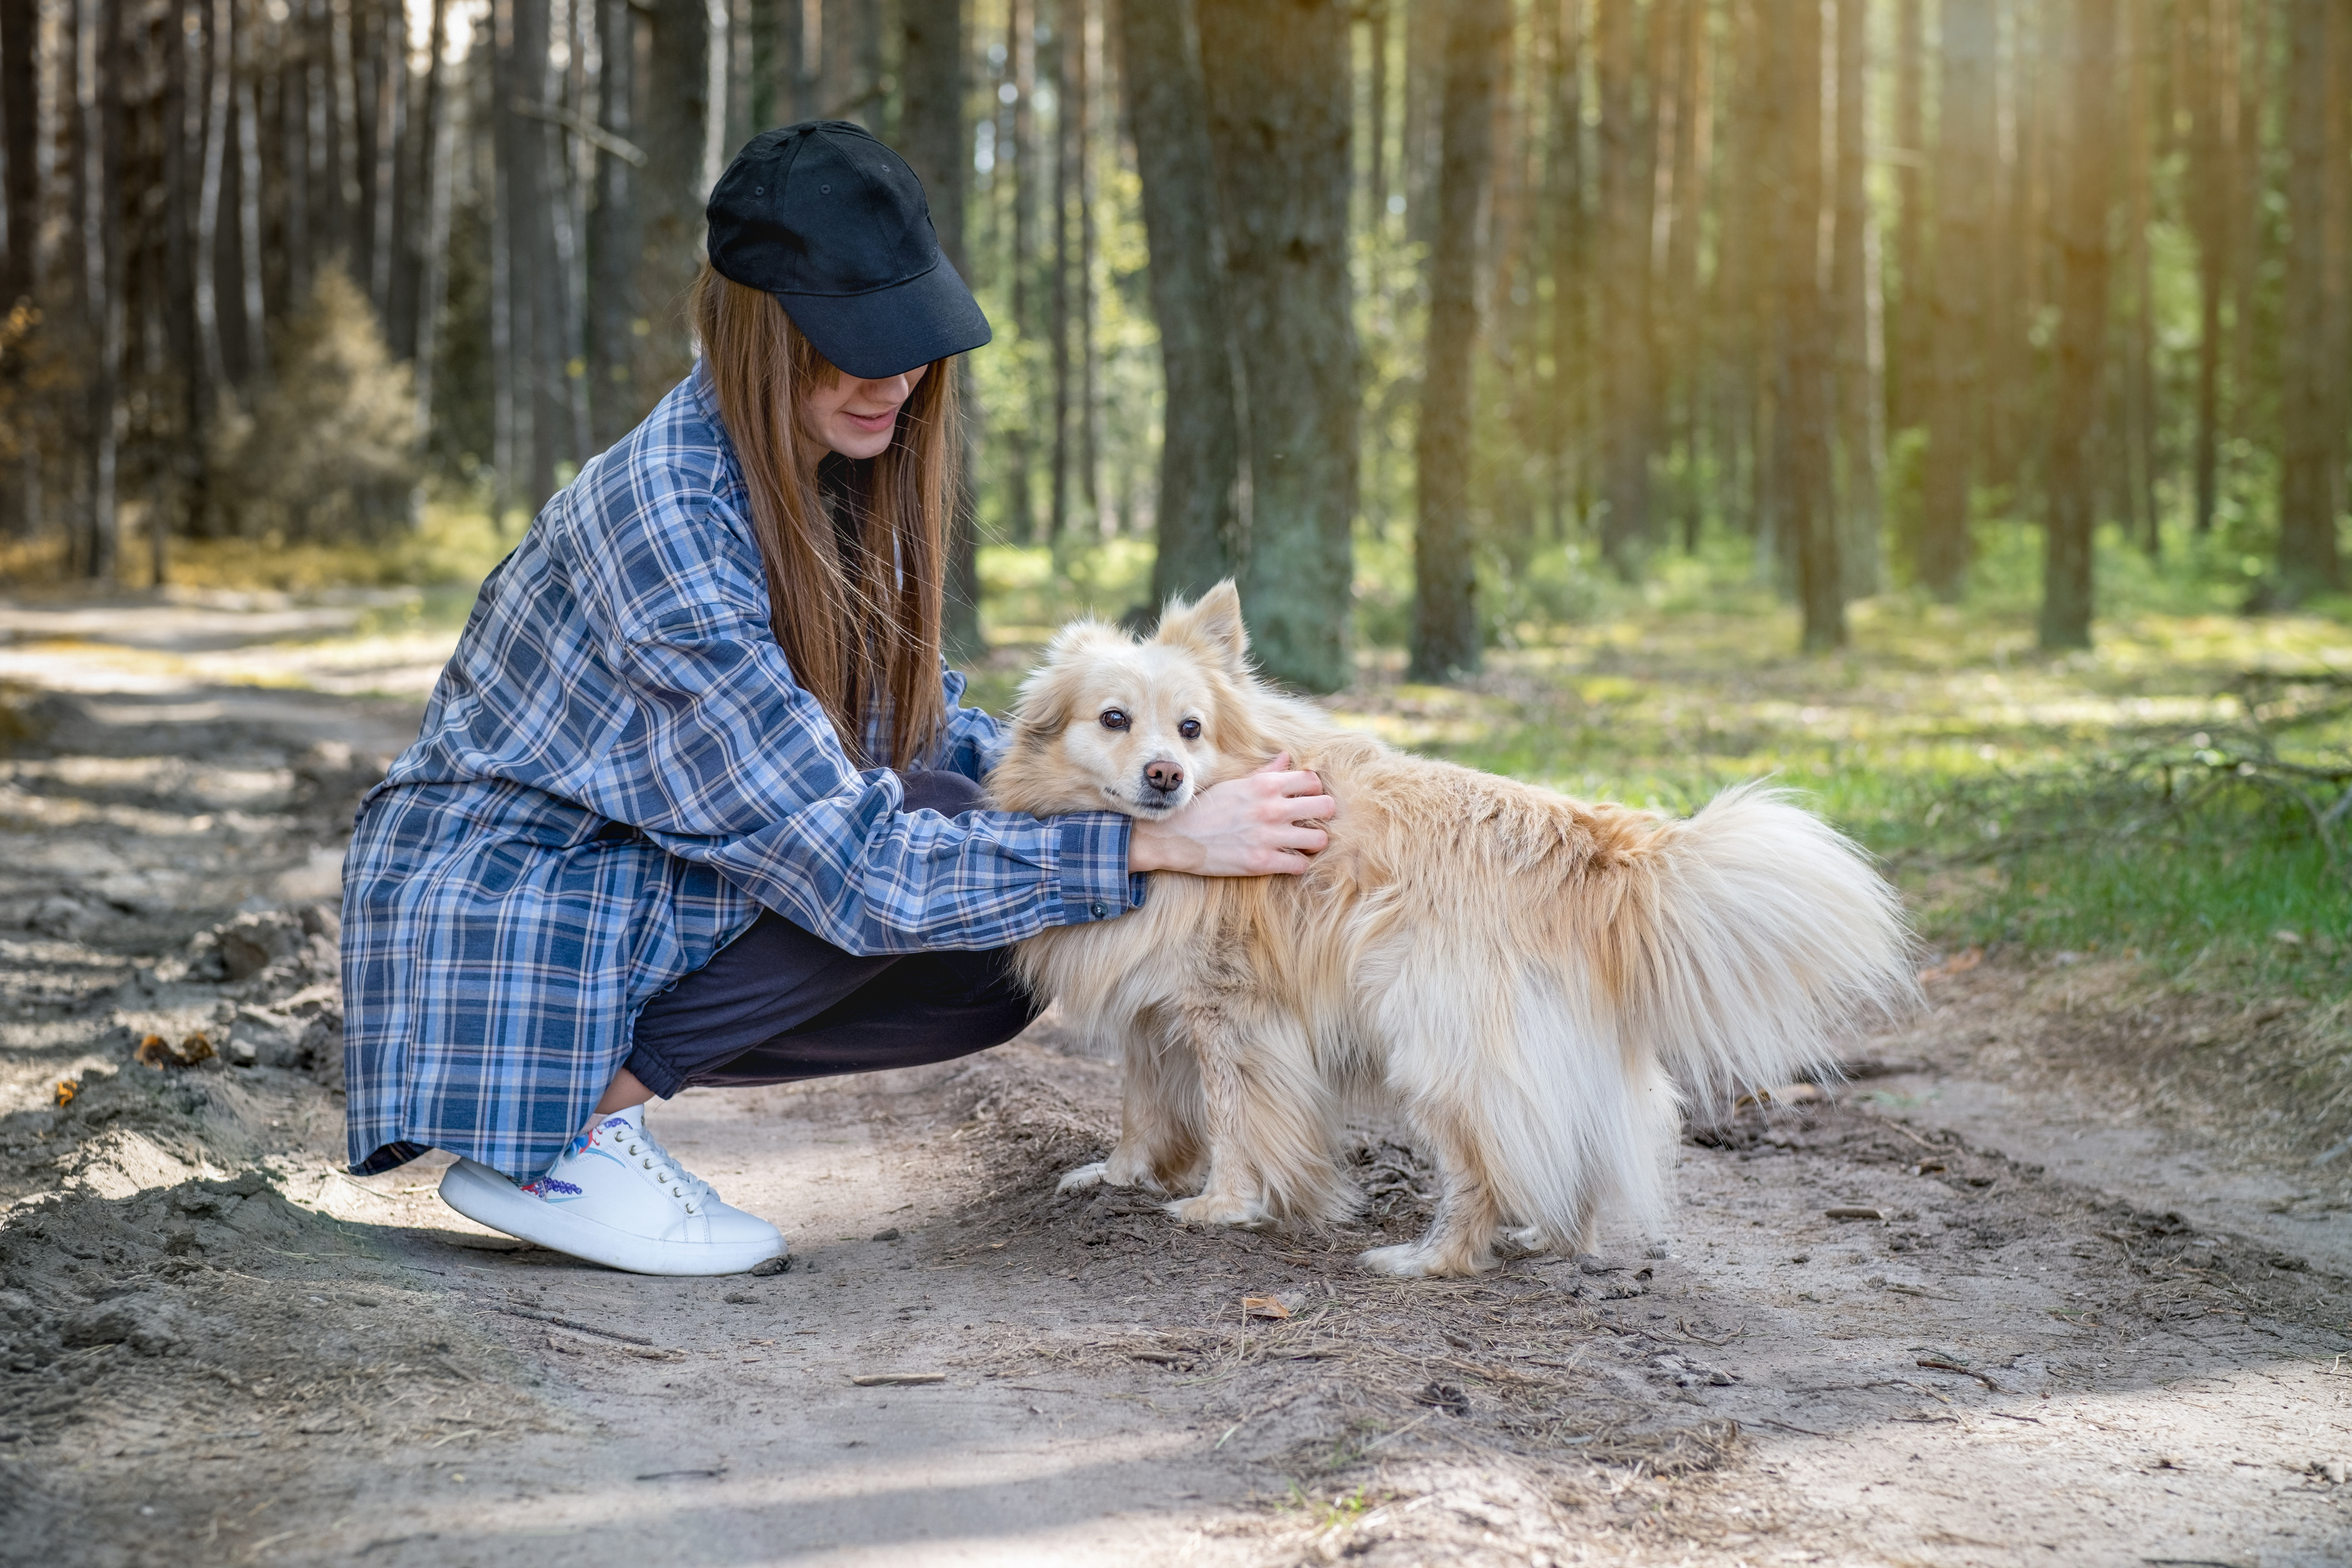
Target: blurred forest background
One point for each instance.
(1549, 372)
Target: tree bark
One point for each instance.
(1570, 285)
(2136, 469)
(249, 217)
(2209, 170)
(20, 128)
(1020, 46)
(1802, 399)
(99, 137)
(2080, 211)
(211, 373)
(1685, 317)
(1201, 442)
(1277, 90)
(1964, 159)
(615, 401)
(1906, 335)
(2250, 88)
(1858, 420)
(2310, 442)
(1627, 192)
(1061, 78)
(433, 283)
(1445, 544)
(933, 134)
(670, 195)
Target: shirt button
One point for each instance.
(1099, 911)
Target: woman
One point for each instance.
(692, 803)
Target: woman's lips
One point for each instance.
(872, 422)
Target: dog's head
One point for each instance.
(1111, 723)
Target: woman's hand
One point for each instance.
(1252, 826)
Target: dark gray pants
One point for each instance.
(778, 1004)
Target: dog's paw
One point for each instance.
(1521, 1240)
(1421, 1261)
(1411, 1262)
(1214, 1208)
(1082, 1180)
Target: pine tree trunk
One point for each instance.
(932, 134)
(1376, 93)
(99, 124)
(1807, 337)
(1027, 184)
(1906, 322)
(1627, 192)
(433, 282)
(344, 214)
(615, 401)
(2251, 89)
(1445, 544)
(20, 131)
(1964, 158)
(1279, 118)
(1087, 83)
(2137, 450)
(1857, 389)
(1060, 79)
(249, 218)
(1686, 313)
(1201, 443)
(670, 227)
(1570, 285)
(2080, 209)
(2311, 443)
(2209, 206)
(212, 371)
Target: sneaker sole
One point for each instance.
(483, 1195)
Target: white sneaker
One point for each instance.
(615, 1197)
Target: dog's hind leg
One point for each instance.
(1461, 1237)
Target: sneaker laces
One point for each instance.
(690, 1189)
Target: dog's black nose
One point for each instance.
(1164, 777)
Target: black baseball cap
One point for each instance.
(831, 222)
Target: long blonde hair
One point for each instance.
(860, 627)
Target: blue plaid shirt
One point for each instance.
(616, 773)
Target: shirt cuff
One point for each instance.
(1096, 883)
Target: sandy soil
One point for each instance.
(2099, 1319)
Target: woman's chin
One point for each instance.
(860, 445)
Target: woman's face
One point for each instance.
(855, 418)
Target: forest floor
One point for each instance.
(2100, 1318)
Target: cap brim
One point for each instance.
(885, 331)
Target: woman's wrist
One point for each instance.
(1151, 847)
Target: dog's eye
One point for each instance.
(1190, 730)
(1114, 718)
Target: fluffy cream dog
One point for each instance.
(1540, 985)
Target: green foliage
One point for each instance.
(329, 452)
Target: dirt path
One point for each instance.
(218, 1349)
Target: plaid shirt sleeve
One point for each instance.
(726, 759)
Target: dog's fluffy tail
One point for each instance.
(1769, 933)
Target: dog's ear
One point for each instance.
(1212, 626)
(1042, 708)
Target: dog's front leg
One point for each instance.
(1265, 1107)
(1160, 1114)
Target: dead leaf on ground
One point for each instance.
(1273, 1307)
